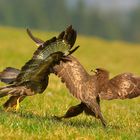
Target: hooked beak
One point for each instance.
(95, 71)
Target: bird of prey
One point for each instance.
(81, 85)
(33, 76)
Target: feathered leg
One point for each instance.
(90, 112)
(93, 108)
(73, 111)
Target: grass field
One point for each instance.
(35, 120)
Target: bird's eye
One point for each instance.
(96, 71)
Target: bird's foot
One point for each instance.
(17, 106)
(14, 107)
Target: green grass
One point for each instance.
(34, 119)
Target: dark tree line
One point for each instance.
(56, 14)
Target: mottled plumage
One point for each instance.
(33, 76)
(81, 85)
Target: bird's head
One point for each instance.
(100, 71)
(102, 75)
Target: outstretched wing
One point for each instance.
(122, 86)
(73, 75)
(35, 73)
(33, 76)
(48, 54)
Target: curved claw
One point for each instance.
(17, 105)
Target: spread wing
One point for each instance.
(73, 75)
(33, 76)
(48, 54)
(122, 86)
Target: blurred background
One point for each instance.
(109, 19)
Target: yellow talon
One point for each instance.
(17, 105)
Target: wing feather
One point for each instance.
(73, 75)
(122, 86)
(38, 41)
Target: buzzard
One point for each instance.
(90, 88)
(34, 75)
